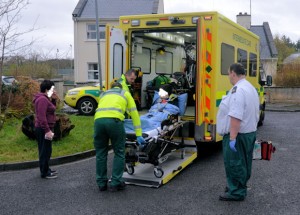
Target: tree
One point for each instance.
(298, 45)
(284, 47)
(10, 36)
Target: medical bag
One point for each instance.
(267, 149)
(263, 150)
(160, 80)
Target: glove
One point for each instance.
(140, 140)
(232, 145)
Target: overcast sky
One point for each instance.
(54, 18)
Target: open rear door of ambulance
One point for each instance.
(116, 49)
(202, 87)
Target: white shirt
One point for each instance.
(242, 102)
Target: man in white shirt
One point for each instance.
(237, 120)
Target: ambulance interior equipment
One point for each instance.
(159, 126)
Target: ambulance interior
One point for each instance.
(170, 53)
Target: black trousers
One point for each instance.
(45, 151)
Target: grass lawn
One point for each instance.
(16, 147)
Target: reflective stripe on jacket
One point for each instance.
(114, 102)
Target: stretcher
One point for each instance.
(161, 158)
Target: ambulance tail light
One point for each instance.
(125, 21)
(164, 18)
(208, 18)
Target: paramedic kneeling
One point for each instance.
(237, 122)
(108, 125)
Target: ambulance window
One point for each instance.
(253, 65)
(142, 59)
(164, 62)
(242, 58)
(117, 60)
(227, 57)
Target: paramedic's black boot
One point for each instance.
(103, 188)
(118, 187)
(225, 197)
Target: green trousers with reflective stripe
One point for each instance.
(106, 129)
(238, 164)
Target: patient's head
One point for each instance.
(163, 94)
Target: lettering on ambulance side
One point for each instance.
(241, 39)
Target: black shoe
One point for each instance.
(54, 172)
(118, 187)
(103, 188)
(51, 176)
(227, 198)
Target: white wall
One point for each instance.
(85, 51)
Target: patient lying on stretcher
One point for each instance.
(161, 109)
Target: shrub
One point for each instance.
(20, 97)
(288, 75)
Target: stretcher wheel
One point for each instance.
(129, 169)
(158, 172)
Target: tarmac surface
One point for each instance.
(273, 187)
(274, 107)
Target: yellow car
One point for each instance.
(84, 99)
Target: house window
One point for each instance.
(91, 32)
(93, 72)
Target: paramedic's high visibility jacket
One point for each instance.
(125, 86)
(114, 102)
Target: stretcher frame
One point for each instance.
(135, 155)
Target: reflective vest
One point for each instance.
(114, 102)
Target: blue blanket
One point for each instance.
(157, 113)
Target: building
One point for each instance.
(85, 41)
(268, 51)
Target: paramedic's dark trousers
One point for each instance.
(238, 164)
(45, 151)
(106, 129)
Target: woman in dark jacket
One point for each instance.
(45, 105)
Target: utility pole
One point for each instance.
(98, 46)
(71, 56)
(57, 59)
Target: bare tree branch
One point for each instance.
(10, 36)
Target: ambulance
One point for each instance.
(195, 50)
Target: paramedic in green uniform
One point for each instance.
(237, 122)
(108, 125)
(127, 80)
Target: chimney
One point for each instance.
(244, 20)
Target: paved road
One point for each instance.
(274, 186)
